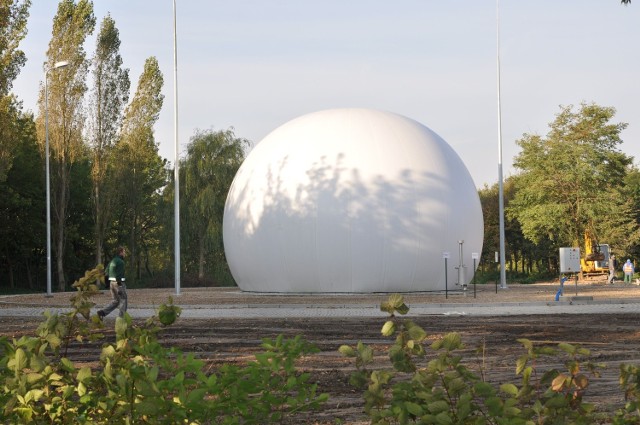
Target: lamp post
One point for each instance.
(176, 211)
(57, 65)
(503, 275)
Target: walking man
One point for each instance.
(116, 285)
(612, 269)
(628, 271)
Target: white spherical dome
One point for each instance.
(351, 200)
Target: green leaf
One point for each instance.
(387, 308)
(413, 408)
(147, 407)
(32, 378)
(107, 352)
(452, 341)
(395, 303)
(366, 352)
(121, 328)
(83, 374)
(509, 389)
(438, 406)
(395, 300)
(54, 340)
(152, 374)
(67, 365)
(527, 344)
(521, 363)
(359, 379)
(416, 332)
(347, 350)
(567, 348)
(54, 377)
(443, 418)
(34, 394)
(402, 309)
(557, 401)
(82, 389)
(19, 359)
(389, 328)
(196, 396)
(547, 351)
(483, 389)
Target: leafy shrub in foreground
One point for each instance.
(137, 381)
(436, 387)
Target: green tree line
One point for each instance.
(572, 182)
(108, 184)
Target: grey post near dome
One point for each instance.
(57, 65)
(503, 274)
(176, 155)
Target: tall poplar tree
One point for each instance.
(13, 28)
(140, 171)
(110, 93)
(72, 24)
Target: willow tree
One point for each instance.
(72, 24)
(140, 172)
(571, 182)
(110, 93)
(213, 158)
(13, 28)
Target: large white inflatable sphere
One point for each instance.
(352, 200)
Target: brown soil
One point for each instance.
(612, 338)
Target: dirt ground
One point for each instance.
(612, 338)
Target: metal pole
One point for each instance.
(462, 280)
(176, 153)
(474, 278)
(446, 287)
(503, 276)
(46, 148)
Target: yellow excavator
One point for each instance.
(595, 262)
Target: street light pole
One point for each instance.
(503, 273)
(176, 211)
(57, 65)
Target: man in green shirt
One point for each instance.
(116, 285)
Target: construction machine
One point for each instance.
(595, 262)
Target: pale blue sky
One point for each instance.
(255, 65)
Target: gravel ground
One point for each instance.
(529, 293)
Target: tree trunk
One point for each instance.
(98, 229)
(61, 214)
(29, 275)
(12, 283)
(133, 251)
(201, 257)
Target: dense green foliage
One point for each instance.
(110, 186)
(213, 158)
(435, 384)
(61, 115)
(109, 95)
(137, 380)
(139, 173)
(573, 182)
